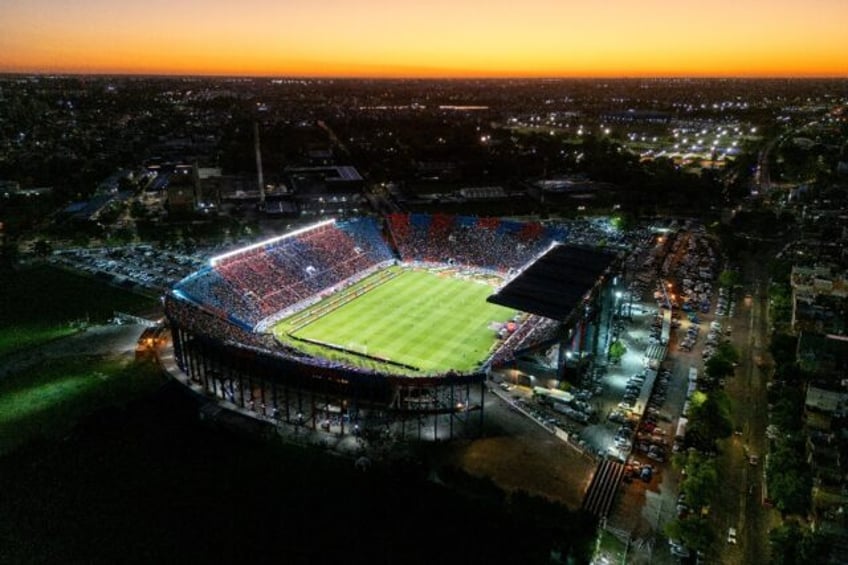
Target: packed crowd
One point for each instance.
(201, 321)
(265, 280)
(488, 243)
(531, 331)
(209, 288)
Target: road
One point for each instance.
(739, 502)
(107, 339)
(762, 178)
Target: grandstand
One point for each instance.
(265, 278)
(484, 243)
(283, 327)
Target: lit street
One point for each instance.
(740, 498)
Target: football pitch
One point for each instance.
(417, 318)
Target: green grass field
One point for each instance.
(47, 400)
(418, 318)
(37, 304)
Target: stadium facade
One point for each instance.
(220, 319)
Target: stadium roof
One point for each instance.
(555, 284)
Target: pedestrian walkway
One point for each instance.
(603, 488)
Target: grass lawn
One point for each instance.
(610, 547)
(418, 318)
(47, 400)
(152, 483)
(38, 304)
(14, 338)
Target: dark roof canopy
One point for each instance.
(556, 283)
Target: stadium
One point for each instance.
(387, 326)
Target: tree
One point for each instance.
(675, 530)
(679, 460)
(789, 479)
(701, 478)
(617, 351)
(718, 368)
(623, 222)
(709, 418)
(780, 301)
(793, 543)
(782, 349)
(701, 481)
(728, 279)
(780, 270)
(785, 543)
(695, 532)
(726, 351)
(814, 547)
(788, 411)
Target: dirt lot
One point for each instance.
(526, 458)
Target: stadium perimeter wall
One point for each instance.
(307, 391)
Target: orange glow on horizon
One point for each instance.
(458, 38)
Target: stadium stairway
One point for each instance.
(601, 492)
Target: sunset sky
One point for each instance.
(433, 38)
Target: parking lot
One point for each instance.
(142, 266)
(670, 318)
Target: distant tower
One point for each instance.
(259, 178)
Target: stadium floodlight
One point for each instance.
(215, 260)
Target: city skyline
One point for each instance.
(462, 39)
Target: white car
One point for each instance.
(731, 535)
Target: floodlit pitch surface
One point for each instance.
(419, 318)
